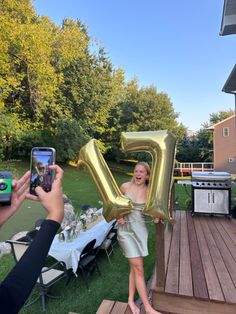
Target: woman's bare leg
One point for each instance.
(132, 289)
(136, 265)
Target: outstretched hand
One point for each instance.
(19, 193)
(52, 201)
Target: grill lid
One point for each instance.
(210, 176)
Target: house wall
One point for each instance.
(225, 146)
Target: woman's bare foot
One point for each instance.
(134, 308)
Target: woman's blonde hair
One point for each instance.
(147, 168)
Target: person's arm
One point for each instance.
(19, 192)
(17, 286)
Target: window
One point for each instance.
(231, 159)
(225, 131)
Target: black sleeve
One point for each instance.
(17, 286)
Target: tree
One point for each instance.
(143, 109)
(196, 148)
(199, 148)
(216, 117)
(10, 132)
(89, 91)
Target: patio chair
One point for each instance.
(48, 277)
(38, 223)
(107, 246)
(28, 237)
(88, 262)
(85, 207)
(112, 235)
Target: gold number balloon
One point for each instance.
(161, 145)
(115, 204)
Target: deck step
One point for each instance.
(116, 307)
(113, 307)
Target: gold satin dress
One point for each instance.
(133, 235)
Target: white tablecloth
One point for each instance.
(69, 252)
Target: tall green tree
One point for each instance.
(144, 109)
(90, 89)
(216, 117)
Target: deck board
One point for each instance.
(225, 251)
(212, 281)
(113, 307)
(227, 237)
(230, 227)
(172, 277)
(185, 275)
(202, 253)
(198, 276)
(227, 285)
(167, 242)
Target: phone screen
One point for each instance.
(41, 175)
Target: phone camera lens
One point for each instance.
(3, 186)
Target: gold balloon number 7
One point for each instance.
(161, 145)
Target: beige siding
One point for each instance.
(225, 146)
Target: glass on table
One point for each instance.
(74, 233)
(69, 237)
(61, 237)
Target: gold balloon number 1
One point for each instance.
(161, 145)
(114, 203)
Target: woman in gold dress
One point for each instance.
(133, 236)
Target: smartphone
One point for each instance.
(41, 175)
(5, 187)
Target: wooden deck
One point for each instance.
(116, 307)
(196, 266)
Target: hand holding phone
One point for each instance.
(41, 174)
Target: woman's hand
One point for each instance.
(19, 192)
(121, 221)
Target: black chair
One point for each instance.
(112, 235)
(85, 207)
(38, 223)
(48, 276)
(29, 237)
(107, 246)
(88, 262)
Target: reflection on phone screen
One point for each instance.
(41, 175)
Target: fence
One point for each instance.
(185, 168)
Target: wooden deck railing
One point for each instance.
(185, 168)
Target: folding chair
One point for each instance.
(112, 235)
(88, 262)
(48, 277)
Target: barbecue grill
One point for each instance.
(211, 192)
